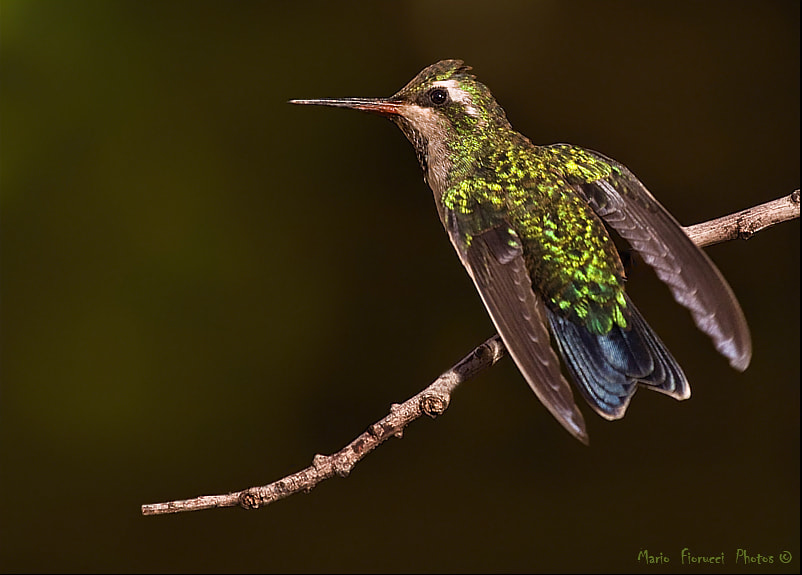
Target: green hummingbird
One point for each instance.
(528, 224)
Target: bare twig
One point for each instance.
(434, 400)
(746, 223)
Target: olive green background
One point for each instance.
(203, 286)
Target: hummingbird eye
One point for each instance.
(438, 96)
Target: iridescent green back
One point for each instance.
(572, 261)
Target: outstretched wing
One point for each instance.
(494, 260)
(625, 204)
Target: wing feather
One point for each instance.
(627, 206)
(495, 262)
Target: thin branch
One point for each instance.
(746, 223)
(434, 400)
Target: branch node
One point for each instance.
(342, 468)
(744, 228)
(319, 462)
(376, 430)
(433, 404)
(795, 197)
(483, 351)
(249, 500)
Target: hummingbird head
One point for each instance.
(447, 94)
(444, 112)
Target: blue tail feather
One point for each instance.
(608, 368)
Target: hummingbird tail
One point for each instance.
(608, 368)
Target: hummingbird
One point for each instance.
(528, 224)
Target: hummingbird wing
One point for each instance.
(625, 204)
(494, 260)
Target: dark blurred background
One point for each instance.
(203, 286)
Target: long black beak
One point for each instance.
(381, 106)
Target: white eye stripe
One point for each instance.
(457, 94)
